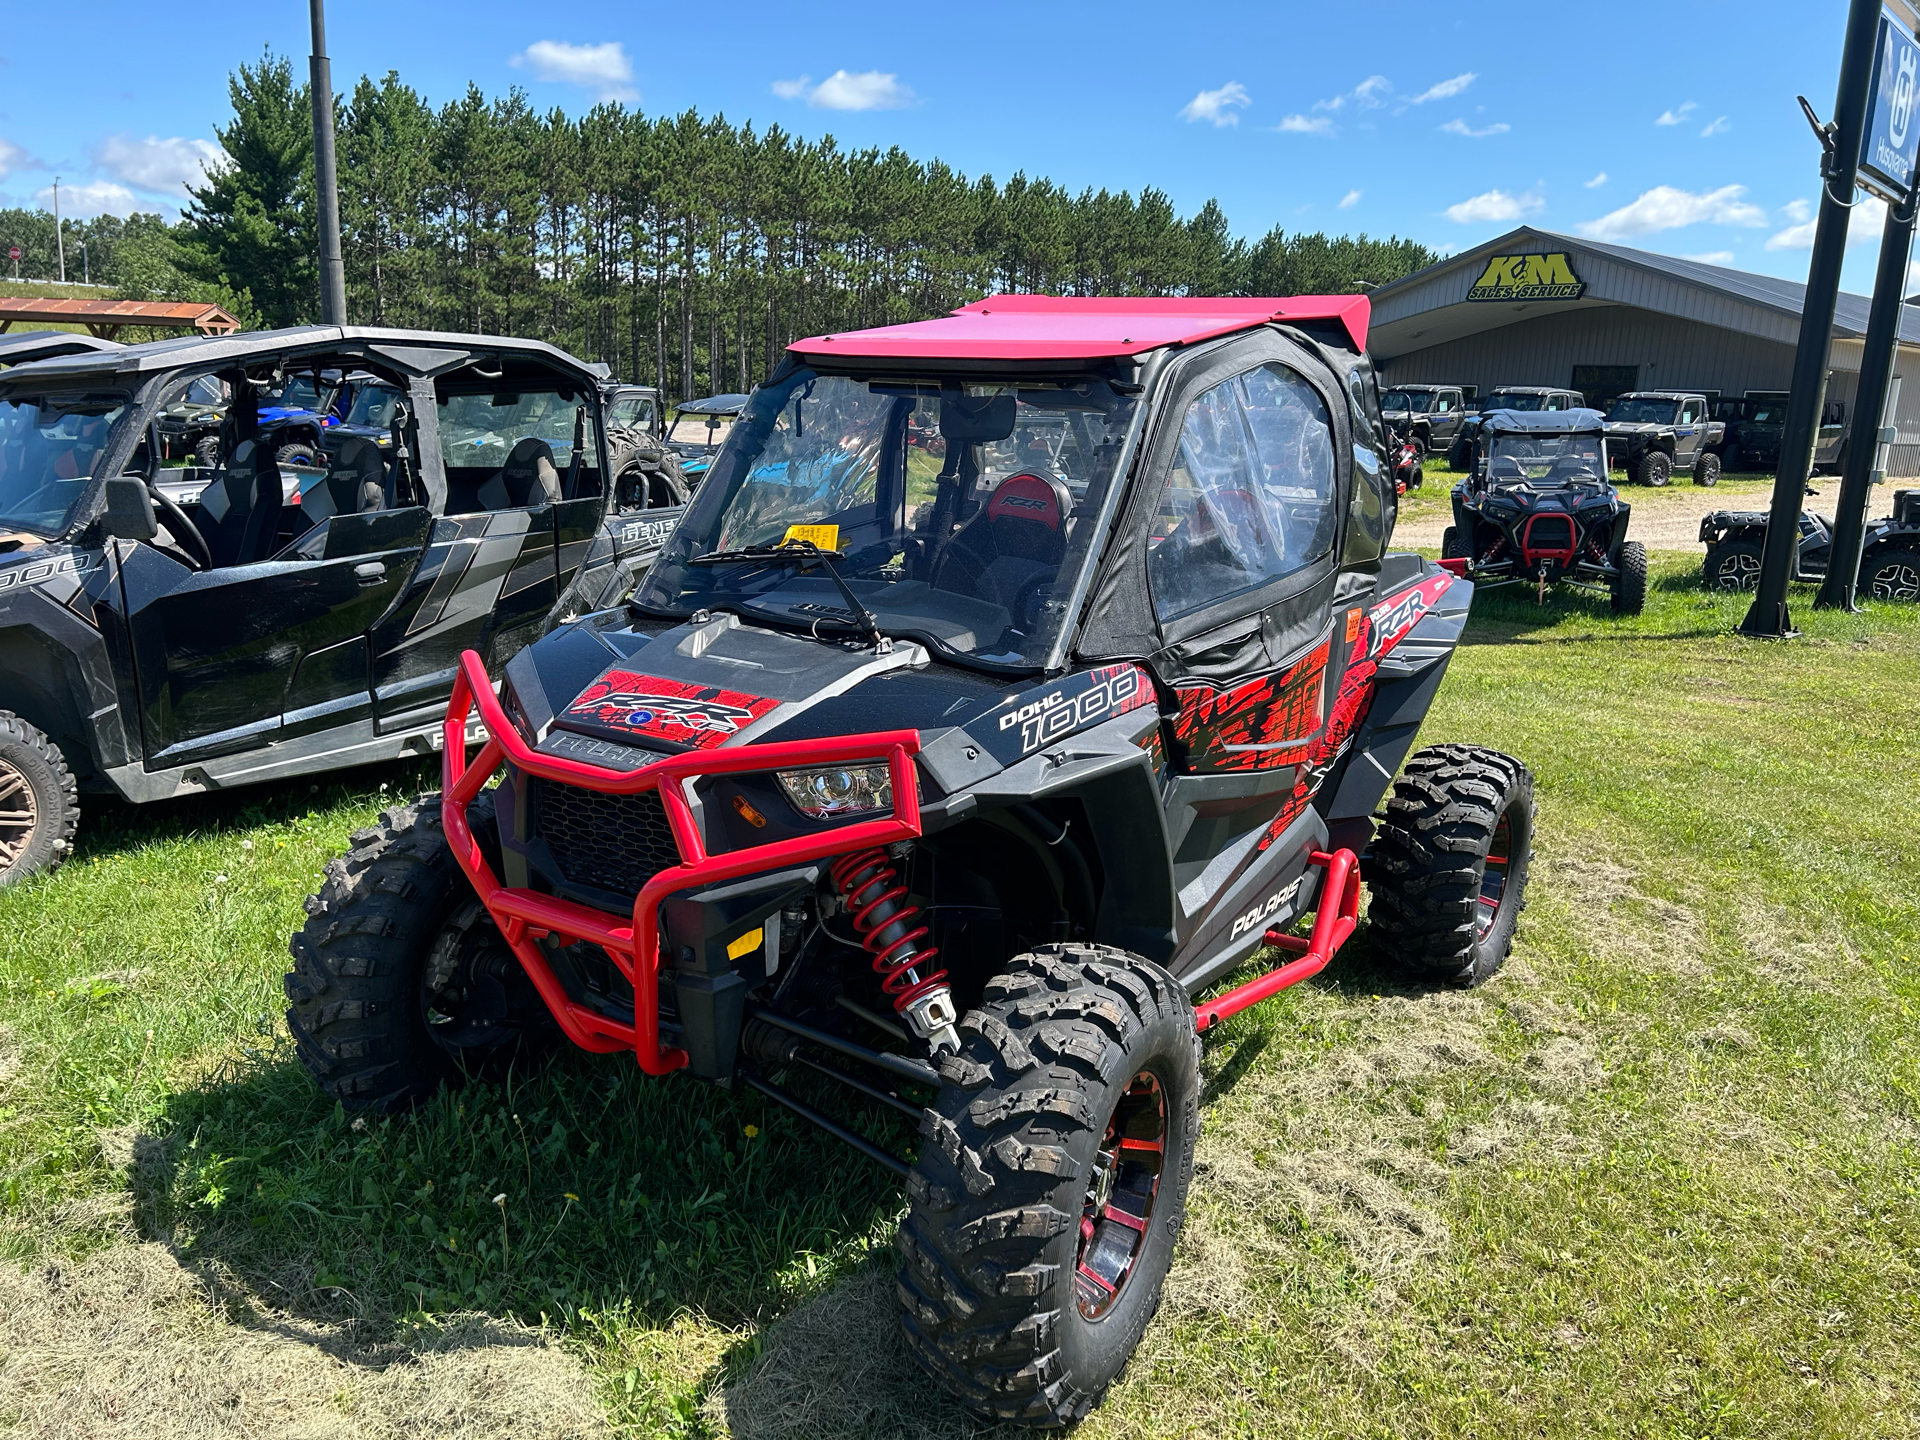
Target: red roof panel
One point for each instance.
(1054, 327)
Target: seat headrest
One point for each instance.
(528, 477)
(354, 483)
(1040, 499)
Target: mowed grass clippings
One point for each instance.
(1657, 1179)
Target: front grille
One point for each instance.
(1549, 532)
(609, 842)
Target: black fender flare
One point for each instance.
(60, 679)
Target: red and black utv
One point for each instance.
(1014, 679)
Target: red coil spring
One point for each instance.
(878, 904)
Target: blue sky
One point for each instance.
(1667, 126)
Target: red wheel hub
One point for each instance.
(1120, 1195)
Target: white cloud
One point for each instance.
(1862, 229)
(846, 90)
(1798, 211)
(1711, 257)
(605, 69)
(1370, 94)
(12, 157)
(1220, 106)
(1666, 207)
(1350, 199)
(1597, 181)
(91, 198)
(1677, 115)
(1445, 88)
(156, 164)
(1717, 127)
(1794, 237)
(1495, 205)
(1306, 125)
(1460, 127)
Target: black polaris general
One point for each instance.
(1539, 510)
(166, 631)
(1651, 434)
(1014, 679)
(1889, 557)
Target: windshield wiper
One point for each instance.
(806, 555)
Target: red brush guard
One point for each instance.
(633, 942)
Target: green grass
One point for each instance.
(1657, 1179)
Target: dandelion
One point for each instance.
(359, 1124)
(219, 879)
(753, 1132)
(571, 1196)
(246, 844)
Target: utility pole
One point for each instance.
(59, 235)
(1839, 172)
(333, 270)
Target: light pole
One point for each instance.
(333, 270)
(59, 237)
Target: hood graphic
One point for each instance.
(698, 716)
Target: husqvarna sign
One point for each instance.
(1891, 144)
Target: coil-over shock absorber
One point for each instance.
(885, 920)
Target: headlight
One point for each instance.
(836, 790)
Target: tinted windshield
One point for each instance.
(49, 445)
(699, 429)
(631, 412)
(375, 404)
(964, 512)
(1407, 400)
(1510, 400)
(297, 392)
(204, 391)
(1544, 459)
(1643, 412)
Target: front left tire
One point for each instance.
(39, 802)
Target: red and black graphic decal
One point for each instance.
(701, 716)
(1260, 725)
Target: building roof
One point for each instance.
(1055, 327)
(106, 318)
(1433, 289)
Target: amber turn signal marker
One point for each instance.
(747, 813)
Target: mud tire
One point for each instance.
(987, 1283)
(394, 912)
(299, 452)
(31, 762)
(1892, 574)
(1452, 546)
(1629, 588)
(1429, 859)
(206, 451)
(1655, 469)
(1734, 565)
(1706, 470)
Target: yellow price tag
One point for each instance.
(827, 537)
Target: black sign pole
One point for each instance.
(1837, 591)
(333, 270)
(1839, 170)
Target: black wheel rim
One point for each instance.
(1493, 878)
(1118, 1211)
(461, 995)
(19, 815)
(1739, 571)
(1899, 580)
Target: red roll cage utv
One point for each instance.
(1013, 679)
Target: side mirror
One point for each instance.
(129, 513)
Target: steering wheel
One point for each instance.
(181, 528)
(1023, 611)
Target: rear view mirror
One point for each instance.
(129, 513)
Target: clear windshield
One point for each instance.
(1509, 400)
(964, 510)
(297, 392)
(206, 390)
(375, 404)
(699, 429)
(631, 412)
(49, 446)
(1545, 459)
(1414, 400)
(1643, 412)
(481, 431)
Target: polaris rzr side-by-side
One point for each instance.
(1736, 541)
(1014, 679)
(170, 630)
(1539, 510)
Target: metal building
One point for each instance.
(1535, 308)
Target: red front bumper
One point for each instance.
(633, 942)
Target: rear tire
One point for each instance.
(400, 982)
(1655, 468)
(1630, 585)
(1734, 565)
(1892, 574)
(297, 453)
(206, 451)
(39, 802)
(1706, 470)
(1448, 867)
(1001, 1297)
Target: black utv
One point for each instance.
(1015, 678)
(1464, 452)
(1654, 434)
(168, 631)
(1539, 510)
(1889, 557)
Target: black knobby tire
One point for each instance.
(1706, 470)
(1735, 565)
(297, 453)
(400, 983)
(1892, 573)
(206, 451)
(1070, 1042)
(39, 802)
(1447, 871)
(1417, 477)
(1655, 468)
(1452, 546)
(1630, 584)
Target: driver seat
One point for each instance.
(1018, 535)
(529, 477)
